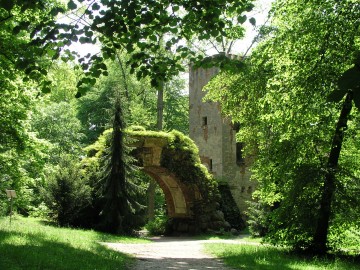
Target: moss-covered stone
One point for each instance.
(180, 156)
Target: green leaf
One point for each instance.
(249, 7)
(175, 8)
(84, 40)
(89, 33)
(71, 5)
(252, 21)
(46, 90)
(242, 19)
(55, 11)
(95, 6)
(16, 30)
(51, 52)
(153, 38)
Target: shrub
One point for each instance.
(68, 193)
(258, 221)
(157, 226)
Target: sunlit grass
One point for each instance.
(31, 244)
(242, 256)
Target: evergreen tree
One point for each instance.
(120, 204)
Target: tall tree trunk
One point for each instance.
(159, 126)
(160, 107)
(329, 188)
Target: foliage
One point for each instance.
(180, 149)
(148, 26)
(176, 111)
(119, 204)
(280, 98)
(255, 256)
(117, 196)
(24, 26)
(157, 226)
(56, 122)
(258, 218)
(140, 105)
(32, 243)
(180, 156)
(67, 193)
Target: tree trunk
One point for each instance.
(160, 107)
(159, 126)
(329, 189)
(124, 78)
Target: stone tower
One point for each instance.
(215, 137)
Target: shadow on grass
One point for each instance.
(37, 253)
(100, 236)
(271, 258)
(259, 260)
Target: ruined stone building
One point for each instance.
(215, 137)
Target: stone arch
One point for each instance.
(192, 205)
(176, 200)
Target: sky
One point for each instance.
(260, 13)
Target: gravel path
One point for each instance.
(172, 253)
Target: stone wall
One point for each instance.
(215, 137)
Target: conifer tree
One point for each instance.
(120, 207)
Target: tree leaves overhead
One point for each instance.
(24, 27)
(144, 27)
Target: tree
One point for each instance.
(280, 99)
(20, 65)
(176, 111)
(349, 86)
(68, 192)
(25, 25)
(120, 206)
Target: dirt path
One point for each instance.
(172, 253)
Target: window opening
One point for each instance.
(236, 126)
(239, 155)
(204, 121)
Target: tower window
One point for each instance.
(204, 121)
(239, 156)
(210, 165)
(236, 126)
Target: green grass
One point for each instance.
(245, 238)
(261, 257)
(31, 244)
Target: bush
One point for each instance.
(258, 221)
(157, 226)
(68, 193)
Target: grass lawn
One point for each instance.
(260, 257)
(31, 244)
